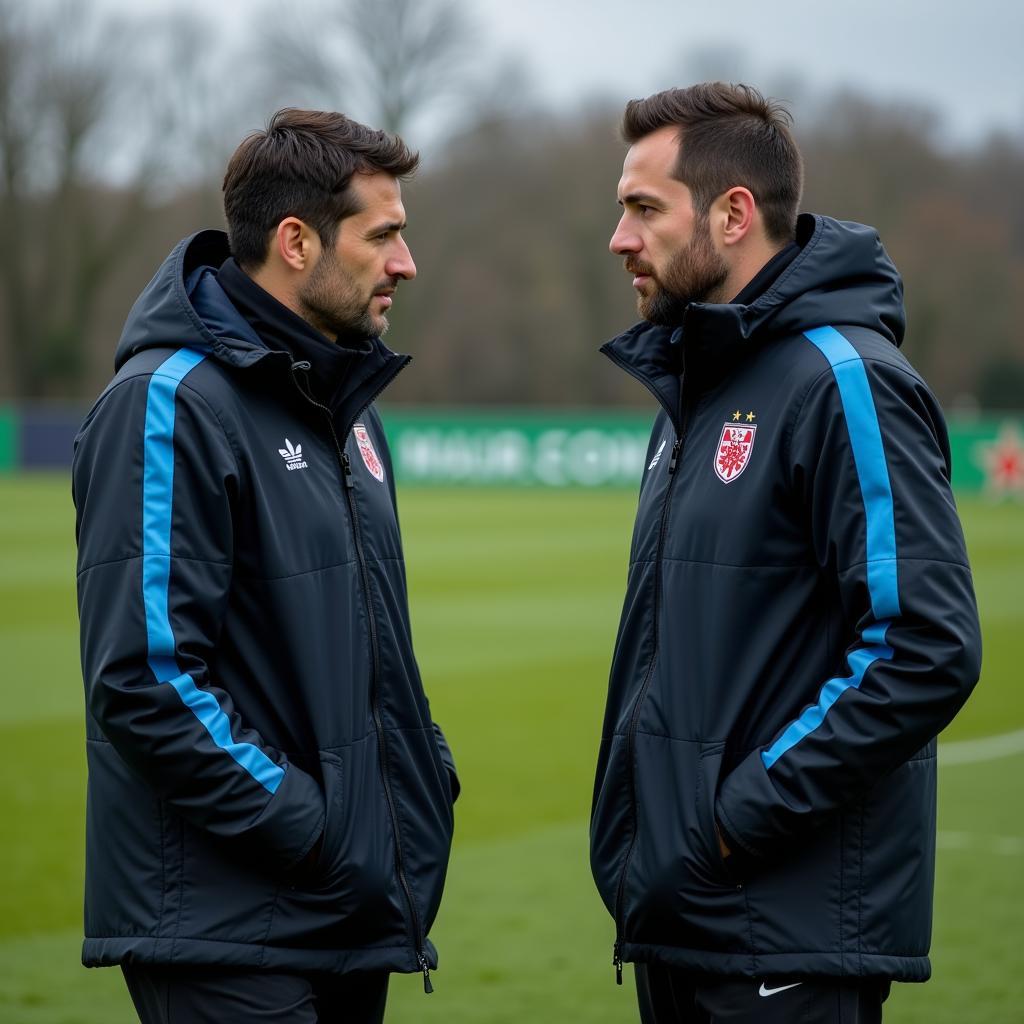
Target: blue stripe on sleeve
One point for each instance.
(859, 660)
(876, 492)
(872, 471)
(205, 707)
(157, 495)
(157, 487)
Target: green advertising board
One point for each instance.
(988, 456)
(529, 449)
(518, 449)
(8, 439)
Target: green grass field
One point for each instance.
(515, 601)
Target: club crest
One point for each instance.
(373, 463)
(734, 448)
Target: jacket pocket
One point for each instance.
(130, 859)
(332, 771)
(422, 796)
(799, 895)
(357, 861)
(611, 819)
(677, 891)
(709, 770)
(897, 874)
(350, 898)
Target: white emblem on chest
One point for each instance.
(292, 456)
(372, 462)
(733, 453)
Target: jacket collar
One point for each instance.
(280, 329)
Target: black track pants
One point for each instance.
(669, 996)
(199, 995)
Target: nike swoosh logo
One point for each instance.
(762, 991)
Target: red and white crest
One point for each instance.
(373, 463)
(734, 448)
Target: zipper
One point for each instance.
(371, 618)
(677, 448)
(421, 959)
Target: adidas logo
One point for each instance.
(654, 461)
(292, 456)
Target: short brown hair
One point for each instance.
(301, 166)
(730, 135)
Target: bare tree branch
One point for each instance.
(75, 110)
(389, 61)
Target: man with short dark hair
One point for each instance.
(270, 804)
(800, 620)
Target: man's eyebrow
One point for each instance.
(391, 225)
(639, 197)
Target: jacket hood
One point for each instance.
(183, 302)
(841, 276)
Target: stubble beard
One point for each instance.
(331, 302)
(695, 273)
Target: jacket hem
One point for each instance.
(110, 951)
(831, 964)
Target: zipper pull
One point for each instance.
(304, 366)
(346, 467)
(427, 986)
(617, 964)
(675, 455)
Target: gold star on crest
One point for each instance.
(751, 417)
(736, 416)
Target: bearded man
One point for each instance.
(270, 804)
(800, 621)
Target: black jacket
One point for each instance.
(247, 657)
(799, 625)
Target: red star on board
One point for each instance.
(1003, 462)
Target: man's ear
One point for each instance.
(296, 245)
(734, 212)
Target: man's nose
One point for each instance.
(624, 241)
(401, 263)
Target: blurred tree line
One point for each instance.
(114, 132)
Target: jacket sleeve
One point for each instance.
(869, 463)
(155, 484)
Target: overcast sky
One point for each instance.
(963, 57)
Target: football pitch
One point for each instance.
(515, 599)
